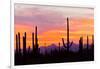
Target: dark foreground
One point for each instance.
(54, 56)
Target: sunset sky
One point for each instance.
(51, 23)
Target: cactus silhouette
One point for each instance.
(35, 42)
(24, 44)
(19, 42)
(87, 43)
(33, 46)
(36, 39)
(93, 40)
(16, 43)
(81, 45)
(69, 44)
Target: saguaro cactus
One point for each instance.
(24, 43)
(69, 44)
(87, 43)
(19, 42)
(67, 34)
(36, 38)
(16, 43)
(33, 46)
(81, 45)
(93, 40)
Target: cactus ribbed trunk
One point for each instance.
(16, 43)
(67, 35)
(87, 43)
(36, 40)
(19, 42)
(81, 45)
(63, 43)
(24, 43)
(93, 40)
(33, 46)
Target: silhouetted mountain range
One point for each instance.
(73, 48)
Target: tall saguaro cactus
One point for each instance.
(16, 43)
(36, 39)
(33, 41)
(19, 42)
(93, 40)
(69, 44)
(24, 43)
(87, 43)
(81, 45)
(67, 34)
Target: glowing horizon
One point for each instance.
(51, 23)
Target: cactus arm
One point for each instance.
(71, 44)
(63, 43)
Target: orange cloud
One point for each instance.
(78, 27)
